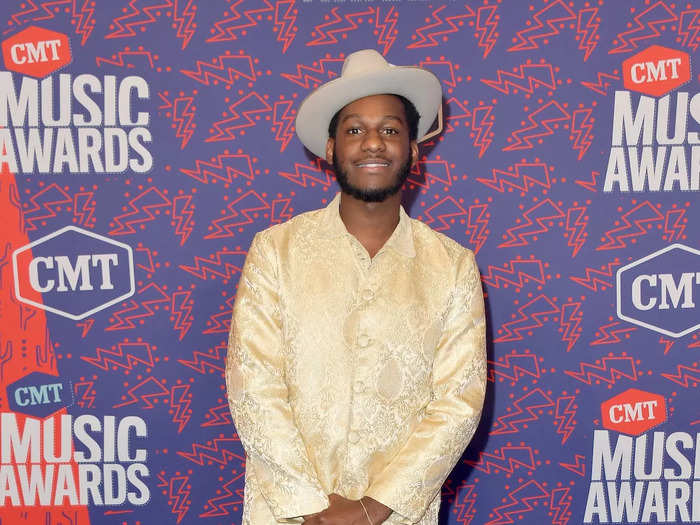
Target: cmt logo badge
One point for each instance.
(656, 70)
(73, 272)
(39, 395)
(662, 291)
(36, 51)
(633, 412)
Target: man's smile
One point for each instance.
(373, 163)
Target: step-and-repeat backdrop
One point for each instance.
(144, 142)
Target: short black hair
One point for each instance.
(412, 117)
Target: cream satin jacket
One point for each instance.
(351, 375)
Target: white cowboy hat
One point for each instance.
(367, 73)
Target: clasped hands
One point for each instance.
(343, 511)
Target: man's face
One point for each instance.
(371, 152)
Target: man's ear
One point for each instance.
(329, 150)
(414, 153)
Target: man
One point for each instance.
(356, 366)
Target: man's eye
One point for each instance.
(353, 131)
(391, 131)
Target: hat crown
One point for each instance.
(364, 61)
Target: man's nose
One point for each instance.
(373, 141)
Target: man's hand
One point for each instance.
(343, 511)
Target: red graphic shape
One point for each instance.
(578, 467)
(36, 52)
(633, 411)
(523, 499)
(613, 336)
(447, 208)
(595, 277)
(387, 28)
(325, 33)
(477, 222)
(609, 370)
(569, 323)
(559, 504)
(309, 174)
(554, 15)
(213, 361)
(576, 222)
(312, 76)
(465, 510)
(144, 208)
(136, 18)
(217, 265)
(564, 416)
(645, 28)
(182, 217)
(689, 28)
(486, 26)
(543, 122)
(506, 459)
(686, 377)
(482, 122)
(513, 366)
(181, 312)
(126, 355)
(530, 316)
(635, 222)
(241, 212)
(516, 273)
(150, 298)
(180, 400)
(537, 219)
(656, 70)
(581, 126)
(44, 205)
(524, 410)
(218, 450)
(231, 496)
(149, 391)
(587, 30)
(525, 176)
(178, 492)
(226, 68)
(283, 122)
(245, 113)
(602, 85)
(429, 32)
(525, 78)
(225, 167)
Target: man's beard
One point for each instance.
(371, 195)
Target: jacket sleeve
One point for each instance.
(413, 478)
(258, 396)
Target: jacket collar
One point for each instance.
(401, 240)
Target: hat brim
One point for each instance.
(419, 86)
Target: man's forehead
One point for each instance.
(384, 105)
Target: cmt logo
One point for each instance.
(656, 70)
(73, 272)
(36, 51)
(39, 394)
(662, 291)
(633, 412)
